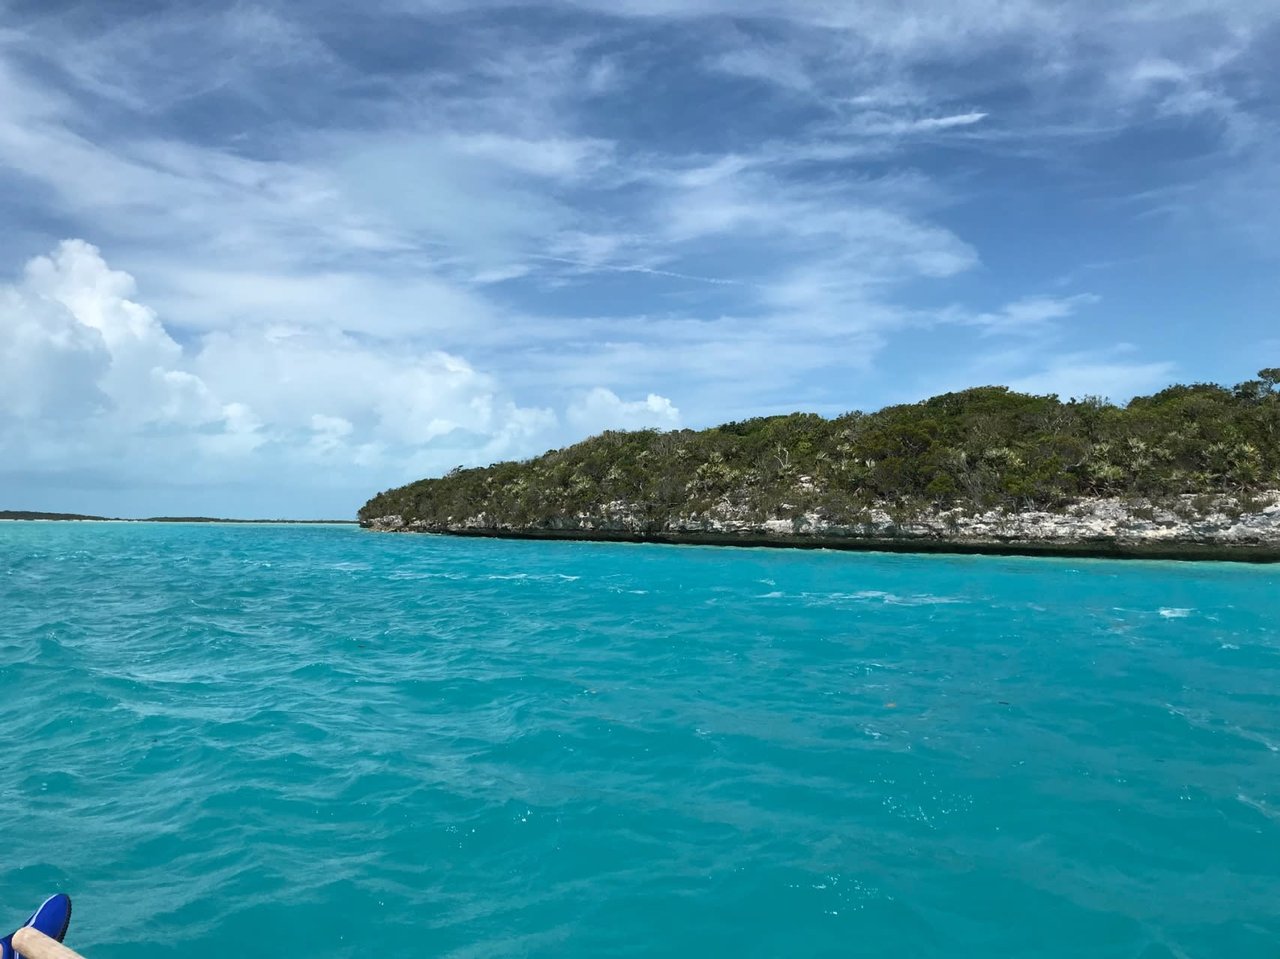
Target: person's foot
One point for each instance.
(52, 918)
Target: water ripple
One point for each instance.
(317, 741)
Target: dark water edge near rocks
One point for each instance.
(1102, 549)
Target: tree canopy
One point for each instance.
(982, 448)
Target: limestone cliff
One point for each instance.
(1183, 527)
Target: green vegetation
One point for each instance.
(29, 514)
(982, 448)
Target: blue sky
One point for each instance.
(266, 259)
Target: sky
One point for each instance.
(265, 259)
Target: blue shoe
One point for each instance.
(52, 918)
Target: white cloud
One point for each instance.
(601, 409)
(1032, 315)
(881, 124)
(241, 435)
(73, 332)
(49, 363)
(823, 243)
(226, 297)
(329, 434)
(141, 62)
(604, 76)
(388, 265)
(393, 395)
(140, 381)
(778, 65)
(96, 376)
(555, 158)
(1083, 375)
(955, 120)
(1116, 372)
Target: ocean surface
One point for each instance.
(322, 742)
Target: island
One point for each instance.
(1191, 472)
(27, 515)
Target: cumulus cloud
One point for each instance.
(360, 268)
(93, 371)
(601, 409)
(75, 344)
(49, 363)
(141, 380)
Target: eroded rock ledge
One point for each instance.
(1186, 527)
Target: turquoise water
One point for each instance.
(315, 741)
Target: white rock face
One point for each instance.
(1224, 521)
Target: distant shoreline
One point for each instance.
(37, 516)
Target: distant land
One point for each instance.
(1191, 472)
(28, 514)
(31, 514)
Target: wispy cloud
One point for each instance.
(1029, 316)
(1082, 375)
(494, 223)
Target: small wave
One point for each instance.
(893, 599)
(835, 599)
(1202, 720)
(1260, 806)
(1174, 613)
(924, 600)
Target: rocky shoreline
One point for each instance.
(1220, 527)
